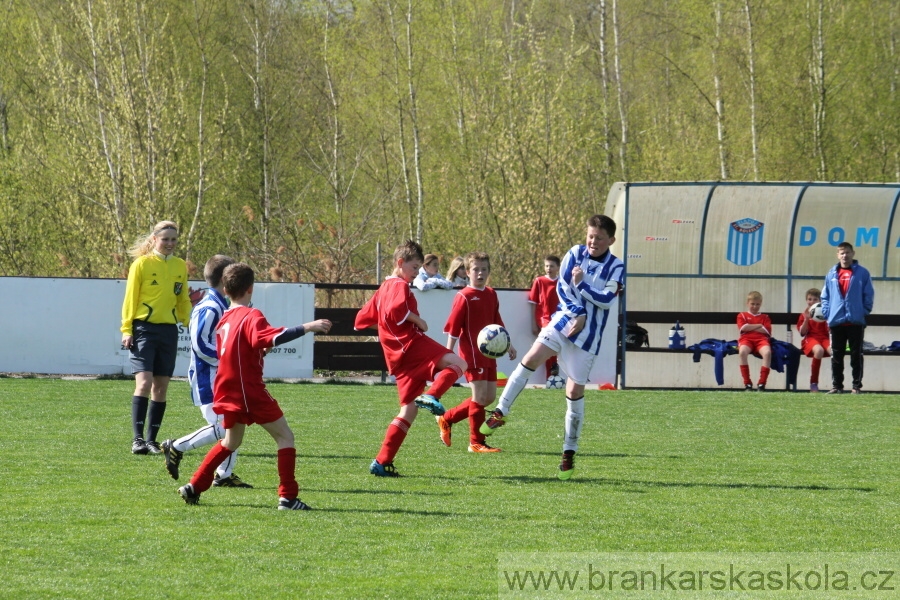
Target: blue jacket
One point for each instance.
(852, 309)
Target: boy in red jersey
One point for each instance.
(815, 338)
(544, 301)
(412, 357)
(239, 394)
(754, 328)
(474, 307)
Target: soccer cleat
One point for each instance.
(492, 422)
(188, 494)
(814, 387)
(748, 387)
(480, 448)
(139, 446)
(431, 404)
(383, 470)
(567, 466)
(856, 390)
(295, 504)
(153, 447)
(835, 391)
(445, 430)
(761, 387)
(230, 481)
(173, 458)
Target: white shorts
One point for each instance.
(207, 411)
(573, 361)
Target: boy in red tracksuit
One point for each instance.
(755, 329)
(474, 307)
(242, 339)
(412, 357)
(815, 338)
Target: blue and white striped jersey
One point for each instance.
(603, 278)
(204, 358)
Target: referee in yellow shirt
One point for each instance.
(156, 300)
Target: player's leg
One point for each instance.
(744, 354)
(173, 450)
(547, 345)
(484, 392)
(202, 478)
(818, 353)
(407, 389)
(578, 364)
(765, 352)
(287, 464)
(448, 368)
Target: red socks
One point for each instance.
(763, 375)
(476, 419)
(393, 439)
(814, 370)
(444, 381)
(745, 373)
(458, 413)
(203, 477)
(287, 481)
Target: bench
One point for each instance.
(346, 355)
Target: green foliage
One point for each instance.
(283, 133)
(657, 472)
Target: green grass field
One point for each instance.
(658, 472)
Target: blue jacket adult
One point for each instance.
(852, 308)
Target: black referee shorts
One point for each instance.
(153, 348)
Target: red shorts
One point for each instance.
(488, 372)
(808, 343)
(755, 344)
(264, 412)
(418, 367)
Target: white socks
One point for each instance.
(514, 386)
(574, 422)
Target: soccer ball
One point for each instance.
(815, 312)
(493, 341)
(555, 382)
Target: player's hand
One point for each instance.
(512, 352)
(577, 275)
(127, 342)
(575, 325)
(319, 326)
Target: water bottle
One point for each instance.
(676, 336)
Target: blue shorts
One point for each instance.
(153, 348)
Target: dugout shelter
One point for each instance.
(693, 250)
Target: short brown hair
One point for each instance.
(471, 257)
(215, 266)
(603, 222)
(237, 279)
(813, 292)
(552, 258)
(430, 257)
(408, 250)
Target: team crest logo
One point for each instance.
(745, 242)
(178, 286)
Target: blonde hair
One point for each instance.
(754, 296)
(144, 245)
(455, 264)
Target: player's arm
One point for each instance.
(417, 321)
(604, 296)
(803, 323)
(451, 342)
(569, 297)
(868, 294)
(203, 335)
